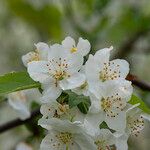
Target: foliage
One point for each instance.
(16, 81)
(135, 100)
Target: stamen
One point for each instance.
(109, 74)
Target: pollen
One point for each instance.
(135, 124)
(102, 145)
(57, 68)
(64, 137)
(112, 105)
(73, 50)
(110, 71)
(34, 56)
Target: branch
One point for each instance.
(18, 122)
(139, 83)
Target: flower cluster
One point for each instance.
(60, 68)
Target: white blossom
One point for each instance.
(83, 46)
(64, 135)
(84, 88)
(19, 102)
(61, 111)
(135, 121)
(100, 70)
(111, 106)
(40, 53)
(104, 139)
(59, 73)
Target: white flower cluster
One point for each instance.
(58, 68)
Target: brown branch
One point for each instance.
(139, 83)
(17, 122)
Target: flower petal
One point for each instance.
(18, 101)
(117, 123)
(38, 70)
(43, 49)
(68, 43)
(95, 104)
(92, 122)
(85, 142)
(102, 55)
(51, 91)
(83, 46)
(74, 62)
(51, 142)
(56, 52)
(122, 88)
(120, 65)
(121, 142)
(73, 81)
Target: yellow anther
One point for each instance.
(73, 50)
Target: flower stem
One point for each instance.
(67, 147)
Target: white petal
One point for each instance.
(43, 49)
(92, 122)
(123, 67)
(61, 125)
(38, 70)
(50, 142)
(92, 74)
(74, 62)
(83, 47)
(48, 109)
(95, 104)
(28, 58)
(117, 123)
(73, 81)
(50, 91)
(146, 116)
(18, 101)
(105, 134)
(121, 142)
(56, 52)
(68, 43)
(85, 142)
(122, 87)
(102, 55)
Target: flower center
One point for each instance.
(102, 145)
(112, 105)
(109, 74)
(34, 56)
(135, 124)
(64, 137)
(73, 49)
(57, 68)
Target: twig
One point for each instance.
(139, 83)
(18, 122)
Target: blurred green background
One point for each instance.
(125, 24)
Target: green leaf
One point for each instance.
(135, 100)
(104, 125)
(84, 107)
(82, 102)
(16, 81)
